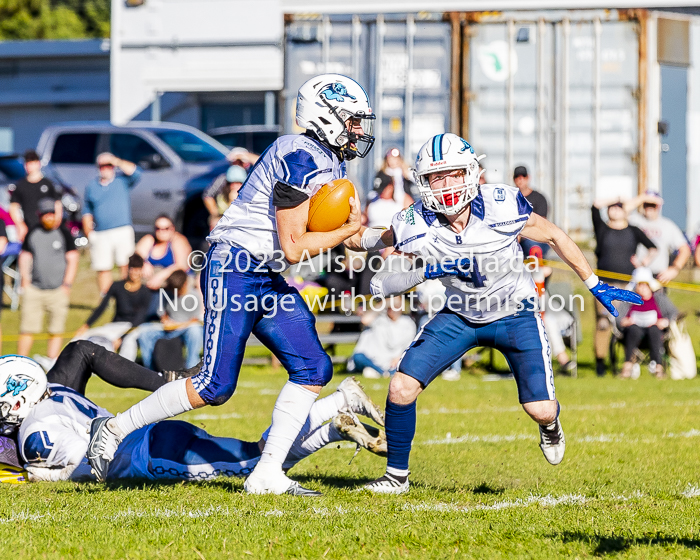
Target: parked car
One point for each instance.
(254, 137)
(11, 170)
(178, 163)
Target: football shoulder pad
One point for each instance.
(502, 208)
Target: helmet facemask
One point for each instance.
(350, 143)
(450, 200)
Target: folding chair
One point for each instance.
(10, 268)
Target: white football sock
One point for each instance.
(288, 418)
(396, 472)
(169, 400)
(310, 443)
(324, 409)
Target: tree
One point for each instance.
(53, 19)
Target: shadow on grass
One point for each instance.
(608, 545)
(484, 488)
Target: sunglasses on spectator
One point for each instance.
(166, 228)
(650, 205)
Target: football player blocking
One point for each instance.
(250, 246)
(467, 234)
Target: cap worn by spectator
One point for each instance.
(46, 206)
(656, 196)
(236, 174)
(381, 181)
(520, 171)
(643, 275)
(31, 155)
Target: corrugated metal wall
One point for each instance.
(560, 96)
(402, 60)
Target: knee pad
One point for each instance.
(212, 393)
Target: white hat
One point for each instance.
(643, 275)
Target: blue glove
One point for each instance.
(606, 294)
(460, 267)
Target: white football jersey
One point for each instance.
(54, 438)
(498, 280)
(55, 433)
(249, 222)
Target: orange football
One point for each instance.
(330, 206)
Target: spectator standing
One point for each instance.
(381, 345)
(48, 264)
(26, 193)
(616, 248)
(665, 234)
(182, 319)
(648, 320)
(538, 202)
(222, 192)
(395, 166)
(107, 217)
(132, 299)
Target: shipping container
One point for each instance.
(403, 61)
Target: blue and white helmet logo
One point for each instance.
(336, 92)
(466, 146)
(16, 385)
(499, 194)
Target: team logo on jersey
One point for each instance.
(409, 217)
(499, 194)
(336, 92)
(16, 385)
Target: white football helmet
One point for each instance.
(326, 102)
(443, 153)
(22, 384)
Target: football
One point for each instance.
(330, 206)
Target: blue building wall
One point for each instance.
(44, 82)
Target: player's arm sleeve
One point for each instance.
(397, 276)
(286, 196)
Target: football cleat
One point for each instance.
(552, 442)
(102, 447)
(358, 402)
(369, 437)
(388, 484)
(278, 484)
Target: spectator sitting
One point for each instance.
(48, 264)
(645, 321)
(181, 319)
(664, 233)
(222, 192)
(383, 207)
(26, 193)
(381, 345)
(132, 299)
(107, 217)
(555, 323)
(538, 202)
(163, 253)
(616, 248)
(395, 166)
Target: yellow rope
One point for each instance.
(624, 277)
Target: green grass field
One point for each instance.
(629, 486)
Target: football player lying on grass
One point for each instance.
(51, 418)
